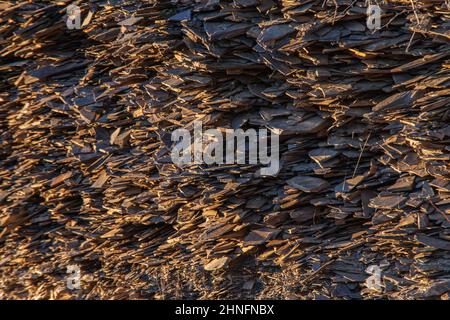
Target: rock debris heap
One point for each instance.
(86, 177)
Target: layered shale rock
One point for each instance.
(86, 176)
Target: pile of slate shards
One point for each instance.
(86, 178)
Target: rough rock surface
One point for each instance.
(86, 177)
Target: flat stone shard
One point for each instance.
(260, 236)
(433, 242)
(308, 184)
(386, 202)
(217, 264)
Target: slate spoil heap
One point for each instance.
(86, 177)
